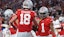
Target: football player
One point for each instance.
(25, 17)
(45, 23)
(5, 26)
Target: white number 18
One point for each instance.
(25, 19)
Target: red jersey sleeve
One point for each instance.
(18, 12)
(33, 14)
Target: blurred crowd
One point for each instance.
(52, 5)
(55, 7)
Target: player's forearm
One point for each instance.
(13, 19)
(52, 28)
(35, 22)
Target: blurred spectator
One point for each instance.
(15, 4)
(62, 6)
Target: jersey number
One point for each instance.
(43, 30)
(25, 19)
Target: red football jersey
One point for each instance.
(44, 27)
(25, 18)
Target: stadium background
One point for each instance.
(15, 4)
(54, 6)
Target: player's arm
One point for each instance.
(15, 23)
(13, 19)
(52, 28)
(35, 25)
(15, 16)
(35, 18)
(35, 22)
(34, 28)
